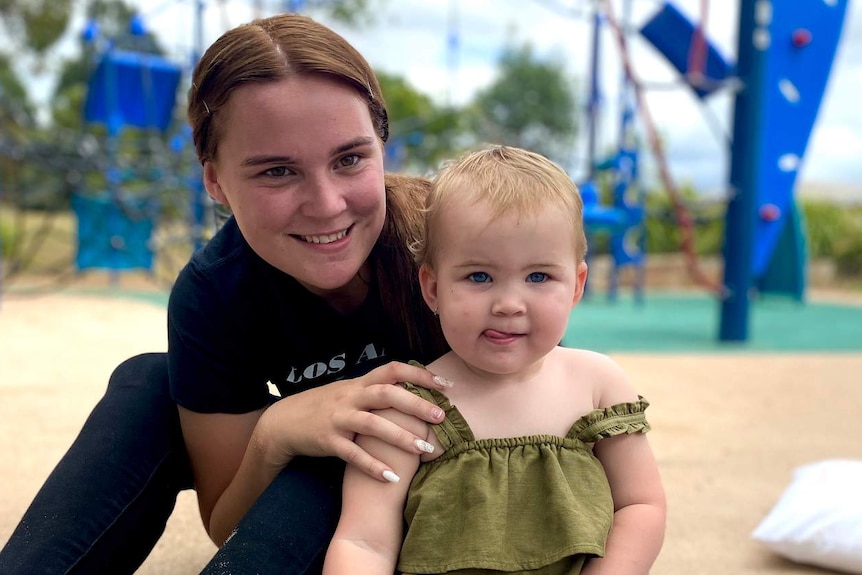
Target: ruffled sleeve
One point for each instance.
(453, 430)
(619, 419)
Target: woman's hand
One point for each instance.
(324, 421)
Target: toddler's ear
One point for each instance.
(580, 284)
(428, 284)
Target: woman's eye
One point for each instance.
(277, 172)
(348, 161)
(537, 277)
(479, 277)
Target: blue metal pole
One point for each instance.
(753, 42)
(593, 110)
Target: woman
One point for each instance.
(309, 287)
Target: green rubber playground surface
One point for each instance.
(673, 323)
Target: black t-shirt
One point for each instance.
(236, 323)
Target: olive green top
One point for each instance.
(539, 504)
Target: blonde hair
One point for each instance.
(510, 180)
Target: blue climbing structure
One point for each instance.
(784, 57)
(786, 53)
(132, 89)
(795, 75)
(127, 89)
(622, 219)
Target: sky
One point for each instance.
(411, 38)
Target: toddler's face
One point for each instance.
(504, 287)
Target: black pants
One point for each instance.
(106, 503)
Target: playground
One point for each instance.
(752, 369)
(729, 426)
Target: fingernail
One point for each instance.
(437, 413)
(391, 477)
(423, 446)
(442, 381)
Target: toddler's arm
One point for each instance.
(369, 533)
(640, 509)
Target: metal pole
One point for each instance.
(593, 110)
(753, 42)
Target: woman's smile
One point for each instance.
(324, 238)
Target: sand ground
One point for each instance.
(728, 429)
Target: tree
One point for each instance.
(34, 25)
(350, 12)
(16, 108)
(28, 28)
(531, 104)
(421, 133)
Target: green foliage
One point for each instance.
(532, 104)
(6, 239)
(834, 231)
(664, 234)
(848, 254)
(355, 12)
(427, 131)
(67, 106)
(35, 25)
(826, 224)
(15, 105)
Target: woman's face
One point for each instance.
(301, 167)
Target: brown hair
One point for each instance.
(269, 50)
(275, 48)
(398, 272)
(510, 180)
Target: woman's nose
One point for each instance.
(324, 197)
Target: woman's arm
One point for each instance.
(218, 445)
(234, 458)
(639, 507)
(368, 537)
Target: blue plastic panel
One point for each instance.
(111, 235)
(795, 81)
(671, 34)
(132, 89)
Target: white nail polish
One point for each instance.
(391, 477)
(423, 446)
(442, 381)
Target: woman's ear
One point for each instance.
(580, 283)
(428, 284)
(212, 185)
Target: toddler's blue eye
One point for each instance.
(479, 277)
(537, 277)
